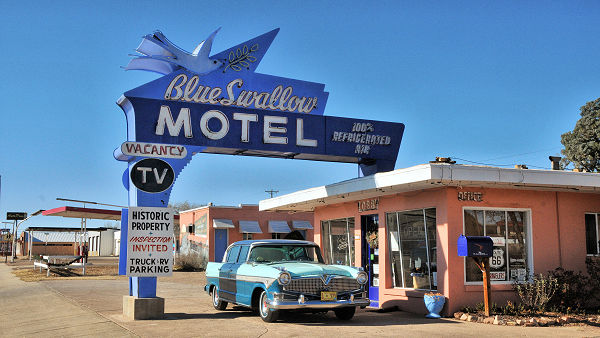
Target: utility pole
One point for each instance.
(272, 192)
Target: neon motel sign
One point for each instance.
(219, 104)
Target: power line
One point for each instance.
(495, 164)
(528, 153)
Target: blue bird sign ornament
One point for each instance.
(158, 54)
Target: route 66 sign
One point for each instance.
(497, 261)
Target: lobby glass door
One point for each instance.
(370, 254)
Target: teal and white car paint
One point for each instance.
(290, 276)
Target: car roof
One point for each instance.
(274, 241)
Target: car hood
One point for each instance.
(306, 269)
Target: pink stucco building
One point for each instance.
(402, 227)
(210, 229)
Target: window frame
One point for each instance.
(229, 252)
(242, 259)
(350, 238)
(388, 253)
(597, 216)
(529, 240)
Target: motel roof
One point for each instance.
(429, 176)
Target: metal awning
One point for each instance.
(250, 227)
(302, 225)
(90, 213)
(223, 223)
(279, 227)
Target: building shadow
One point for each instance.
(362, 318)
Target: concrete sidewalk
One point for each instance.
(31, 309)
(82, 307)
(189, 313)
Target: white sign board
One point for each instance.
(153, 150)
(150, 242)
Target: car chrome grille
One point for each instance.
(313, 286)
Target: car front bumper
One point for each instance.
(316, 304)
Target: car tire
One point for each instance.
(264, 312)
(218, 304)
(345, 313)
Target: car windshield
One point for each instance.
(285, 253)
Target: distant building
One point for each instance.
(210, 229)
(66, 241)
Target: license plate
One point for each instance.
(328, 295)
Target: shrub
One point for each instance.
(191, 261)
(579, 291)
(536, 293)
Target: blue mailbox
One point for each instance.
(475, 246)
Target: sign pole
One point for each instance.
(12, 249)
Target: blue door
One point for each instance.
(220, 244)
(370, 255)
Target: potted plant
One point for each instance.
(434, 302)
(373, 239)
(420, 278)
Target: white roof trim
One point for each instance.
(301, 225)
(223, 223)
(279, 227)
(432, 175)
(250, 227)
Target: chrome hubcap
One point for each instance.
(264, 306)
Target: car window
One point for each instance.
(243, 254)
(279, 253)
(232, 255)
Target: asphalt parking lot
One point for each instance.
(84, 307)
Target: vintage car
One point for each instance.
(274, 275)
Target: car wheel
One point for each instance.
(265, 313)
(217, 302)
(345, 313)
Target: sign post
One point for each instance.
(218, 104)
(483, 264)
(15, 216)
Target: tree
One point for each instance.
(582, 145)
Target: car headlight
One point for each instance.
(284, 278)
(362, 278)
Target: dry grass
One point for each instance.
(28, 274)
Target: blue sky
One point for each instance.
(489, 82)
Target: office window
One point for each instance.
(508, 230)
(592, 239)
(247, 236)
(412, 248)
